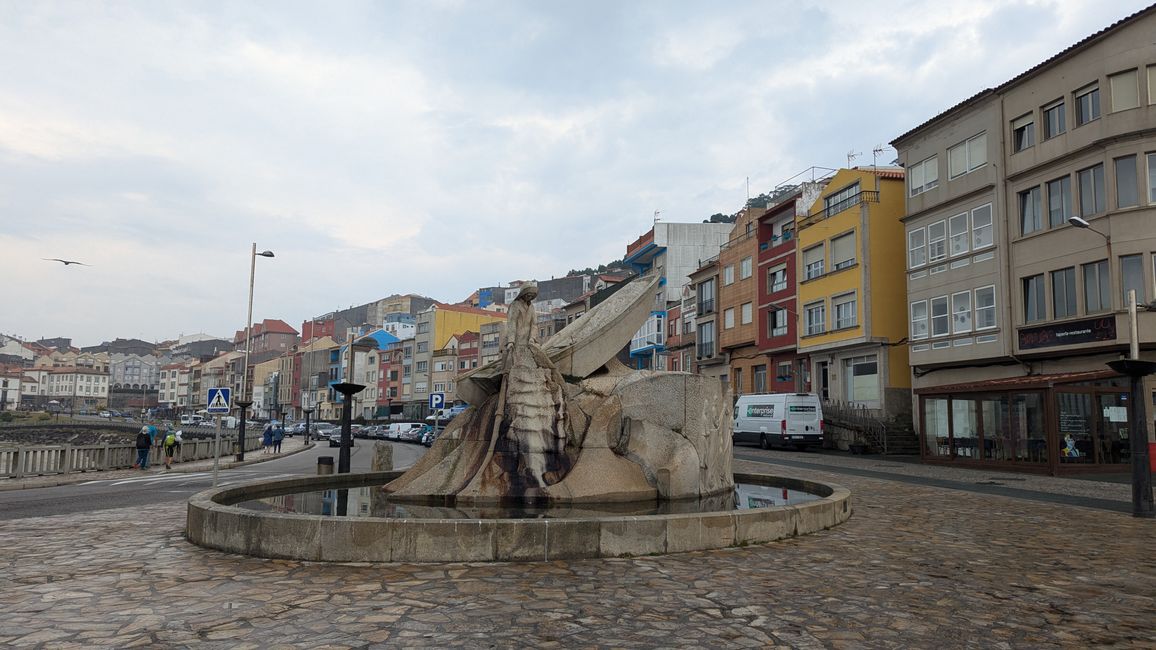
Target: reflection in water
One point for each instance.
(375, 502)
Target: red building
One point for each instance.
(778, 312)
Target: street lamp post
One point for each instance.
(348, 389)
(308, 412)
(245, 402)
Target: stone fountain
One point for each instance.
(565, 453)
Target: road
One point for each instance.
(174, 486)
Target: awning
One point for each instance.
(1015, 383)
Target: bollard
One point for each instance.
(324, 465)
(237, 451)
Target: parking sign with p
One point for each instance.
(437, 401)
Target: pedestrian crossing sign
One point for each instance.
(219, 400)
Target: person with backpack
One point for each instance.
(171, 443)
(144, 444)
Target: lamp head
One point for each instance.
(1078, 222)
(266, 253)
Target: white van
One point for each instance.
(779, 418)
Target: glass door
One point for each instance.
(1111, 444)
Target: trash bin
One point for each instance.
(324, 465)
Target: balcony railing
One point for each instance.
(706, 306)
(864, 196)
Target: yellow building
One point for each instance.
(435, 327)
(852, 292)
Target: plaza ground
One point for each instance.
(918, 565)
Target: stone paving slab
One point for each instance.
(915, 567)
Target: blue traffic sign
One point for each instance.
(219, 400)
(437, 401)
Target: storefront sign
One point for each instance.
(1083, 331)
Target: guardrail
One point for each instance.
(18, 461)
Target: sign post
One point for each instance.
(437, 402)
(219, 401)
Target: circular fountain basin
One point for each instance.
(245, 519)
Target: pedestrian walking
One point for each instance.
(278, 435)
(171, 444)
(144, 445)
(267, 438)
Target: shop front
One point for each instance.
(1057, 424)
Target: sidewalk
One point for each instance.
(288, 446)
(899, 468)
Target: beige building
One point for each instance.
(1013, 311)
(708, 355)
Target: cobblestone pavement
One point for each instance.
(915, 567)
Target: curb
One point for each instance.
(81, 477)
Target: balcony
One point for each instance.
(863, 196)
(706, 306)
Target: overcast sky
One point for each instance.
(432, 147)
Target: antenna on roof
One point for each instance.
(656, 213)
(852, 155)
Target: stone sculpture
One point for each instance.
(565, 422)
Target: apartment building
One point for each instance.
(1013, 310)
(852, 293)
(491, 342)
(709, 360)
(737, 293)
(270, 335)
(674, 251)
(435, 326)
(783, 368)
(78, 388)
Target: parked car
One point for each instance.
(105, 414)
(335, 438)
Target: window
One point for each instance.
(729, 318)
(706, 340)
(916, 248)
(728, 274)
(1087, 104)
(439, 387)
(957, 230)
(1152, 177)
(422, 366)
(777, 278)
(1097, 287)
(706, 297)
(843, 251)
(845, 311)
(919, 320)
(967, 156)
(1064, 292)
(816, 318)
(1091, 182)
(422, 346)
(1055, 119)
(759, 375)
(985, 308)
(961, 312)
(745, 268)
(440, 366)
(1125, 90)
(746, 314)
(1059, 201)
(862, 377)
(423, 328)
(420, 387)
(738, 378)
(1127, 183)
(813, 262)
(1152, 84)
(981, 228)
(937, 241)
(940, 319)
(841, 200)
(1132, 277)
(777, 322)
(783, 371)
(924, 175)
(1030, 218)
(1023, 133)
(1034, 300)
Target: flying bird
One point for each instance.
(64, 262)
